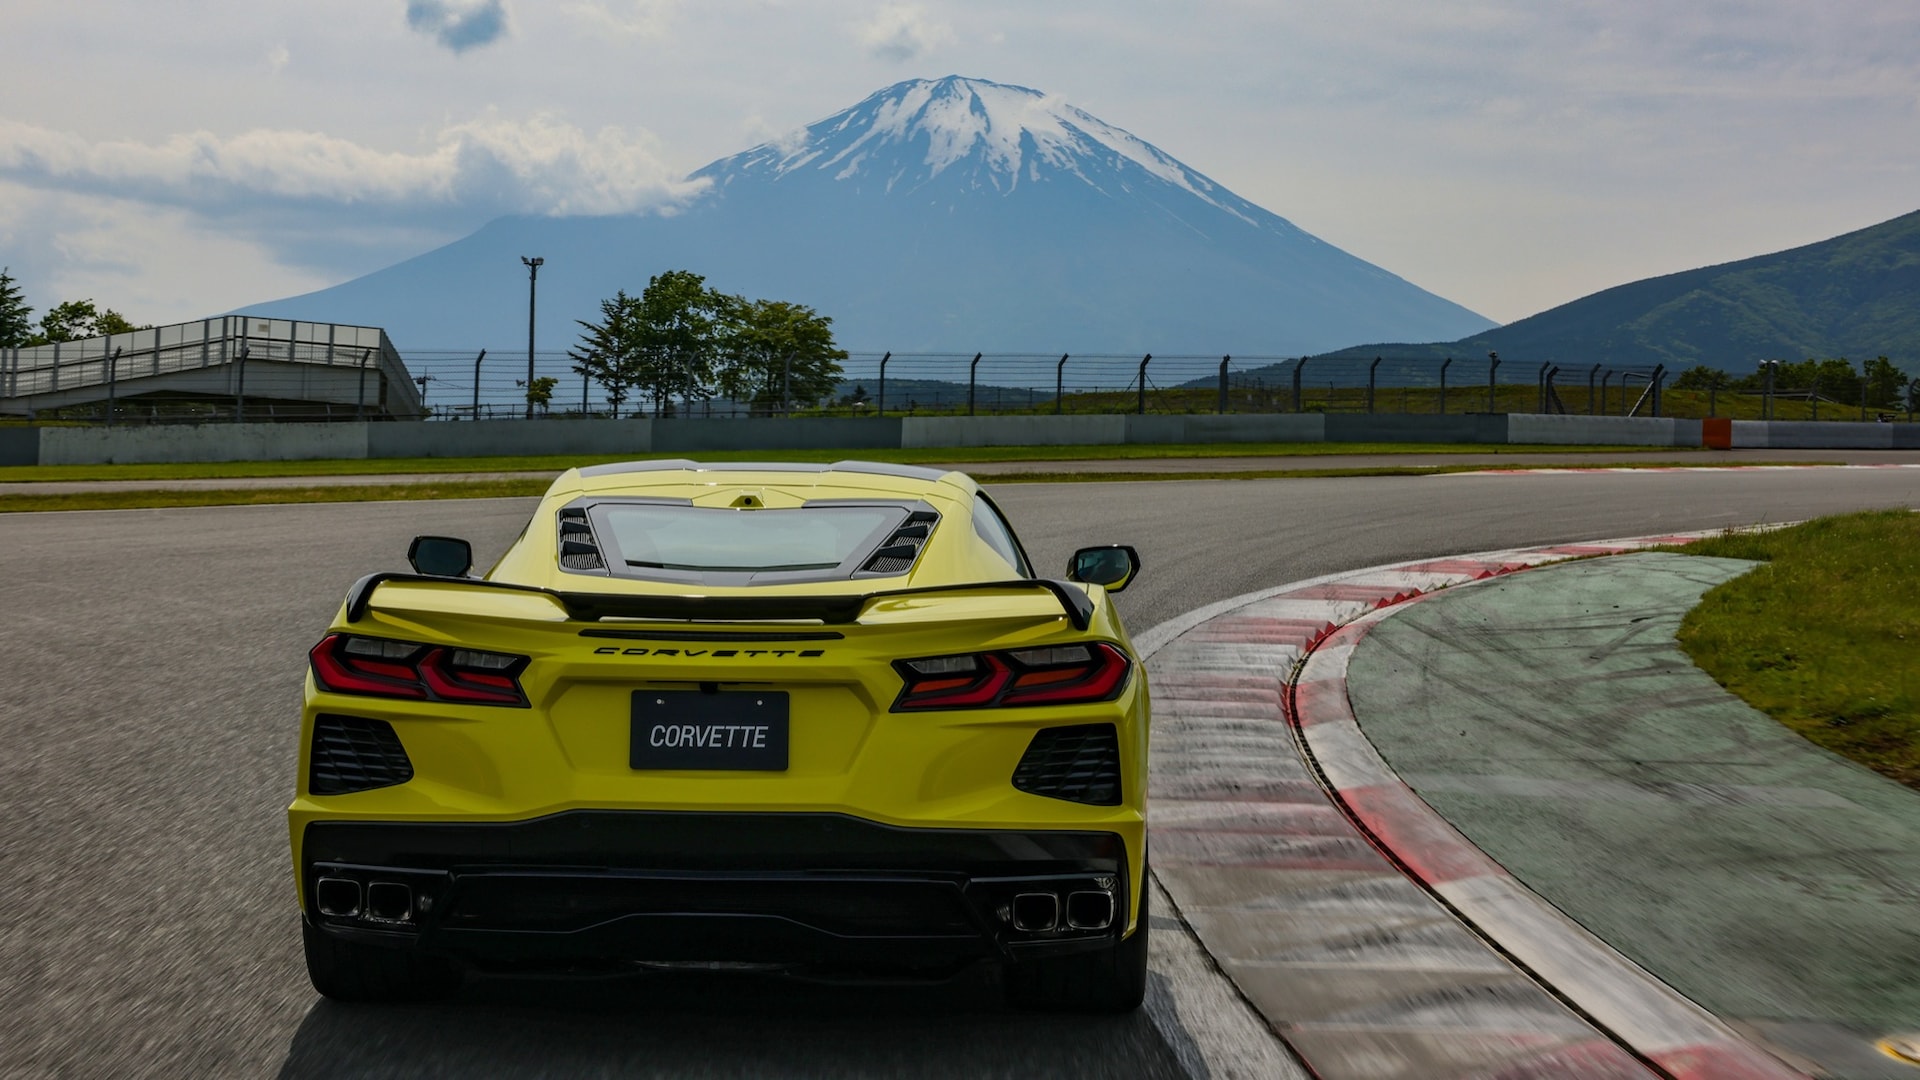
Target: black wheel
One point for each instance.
(349, 971)
(1112, 980)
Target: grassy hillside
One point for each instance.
(1856, 296)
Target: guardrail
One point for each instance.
(75, 372)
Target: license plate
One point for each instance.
(688, 729)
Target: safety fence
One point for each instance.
(486, 385)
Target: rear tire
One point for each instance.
(350, 971)
(1112, 980)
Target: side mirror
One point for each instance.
(440, 556)
(1113, 566)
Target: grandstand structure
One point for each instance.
(235, 367)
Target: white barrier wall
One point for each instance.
(1808, 435)
(176, 443)
(1602, 430)
(629, 439)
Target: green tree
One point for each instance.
(76, 319)
(1703, 377)
(1884, 383)
(679, 328)
(778, 354)
(16, 326)
(607, 350)
(540, 392)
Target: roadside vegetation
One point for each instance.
(1825, 637)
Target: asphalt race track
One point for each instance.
(153, 662)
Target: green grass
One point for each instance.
(148, 500)
(556, 463)
(1825, 637)
(510, 488)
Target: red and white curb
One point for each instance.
(1228, 806)
(1659, 1023)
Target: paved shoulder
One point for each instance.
(1553, 719)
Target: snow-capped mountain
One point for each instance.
(992, 136)
(950, 214)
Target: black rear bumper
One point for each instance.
(610, 889)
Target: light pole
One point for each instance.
(533, 277)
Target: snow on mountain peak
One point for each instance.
(1013, 133)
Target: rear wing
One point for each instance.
(592, 607)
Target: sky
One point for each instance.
(173, 159)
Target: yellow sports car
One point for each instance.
(824, 720)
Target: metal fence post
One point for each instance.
(1223, 386)
(476, 384)
(240, 383)
(113, 362)
(1142, 409)
(973, 378)
(1371, 368)
(1813, 393)
(1659, 375)
(1060, 384)
(1299, 365)
(1604, 380)
(1493, 365)
(1444, 365)
(1540, 384)
(882, 410)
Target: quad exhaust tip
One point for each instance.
(337, 898)
(1089, 910)
(1036, 912)
(389, 901)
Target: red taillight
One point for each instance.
(1061, 675)
(345, 664)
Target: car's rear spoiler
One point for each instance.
(590, 607)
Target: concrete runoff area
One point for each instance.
(1552, 718)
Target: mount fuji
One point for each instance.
(937, 215)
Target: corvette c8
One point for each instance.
(819, 719)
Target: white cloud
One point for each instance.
(901, 32)
(277, 58)
(488, 164)
(153, 265)
(459, 24)
(155, 229)
(636, 18)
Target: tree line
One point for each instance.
(69, 321)
(1834, 378)
(681, 340)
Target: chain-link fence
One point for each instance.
(458, 385)
(465, 385)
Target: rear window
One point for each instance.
(716, 540)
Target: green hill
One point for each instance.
(1856, 295)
